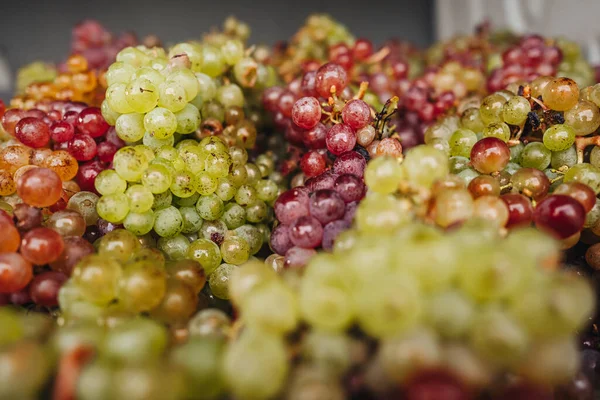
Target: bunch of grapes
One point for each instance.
(35, 72)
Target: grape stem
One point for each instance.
(362, 90)
(378, 56)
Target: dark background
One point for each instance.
(41, 30)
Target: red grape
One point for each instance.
(559, 215)
(15, 272)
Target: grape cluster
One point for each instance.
(35, 72)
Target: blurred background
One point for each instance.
(41, 30)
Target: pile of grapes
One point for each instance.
(320, 219)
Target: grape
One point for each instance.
(560, 215)
(130, 127)
(205, 252)
(490, 155)
(461, 142)
(141, 95)
(15, 272)
(41, 246)
(136, 341)
(168, 222)
(160, 123)
(498, 130)
(178, 303)
(306, 112)
(515, 110)
(583, 118)
(561, 94)
(97, 277)
(558, 137)
(356, 113)
(39, 187)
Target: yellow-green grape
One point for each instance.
(461, 142)
(136, 341)
(172, 96)
(230, 95)
(383, 175)
(318, 299)
(213, 230)
(210, 207)
(217, 164)
(557, 361)
(537, 155)
(560, 94)
(183, 184)
(471, 120)
(213, 144)
(140, 198)
(193, 157)
(168, 222)
(498, 130)
(162, 200)
(382, 213)
(248, 73)
(130, 127)
(97, 277)
(118, 244)
(113, 207)
(253, 174)
(559, 137)
(271, 307)
(188, 119)
(566, 157)
(440, 144)
(109, 182)
(238, 175)
(491, 108)
(160, 122)
(235, 250)
(225, 189)
(154, 143)
(157, 178)
(498, 338)
(206, 184)
(108, 113)
(252, 235)
(232, 51)
(117, 99)
(452, 206)
(450, 313)
(234, 215)
(515, 110)
(139, 223)
(142, 95)
(219, 280)
(584, 118)
(193, 52)
(192, 222)
(207, 92)
(206, 252)
(130, 164)
(119, 72)
(266, 190)
(423, 165)
(213, 64)
(132, 56)
(257, 211)
(145, 151)
(187, 80)
(141, 286)
(245, 195)
(175, 248)
(150, 74)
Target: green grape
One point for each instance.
(108, 113)
(584, 173)
(471, 120)
(512, 167)
(85, 204)
(225, 189)
(149, 254)
(142, 286)
(191, 50)
(117, 99)
(132, 56)
(160, 123)
(213, 230)
(175, 247)
(150, 74)
(217, 164)
(193, 158)
(97, 277)
(70, 337)
(238, 175)
(187, 80)
(535, 155)
(234, 215)
(383, 175)
(595, 156)
(141, 95)
(200, 359)
(326, 307)
(208, 90)
(245, 195)
(265, 362)
(191, 220)
(450, 313)
(172, 96)
(267, 190)
(556, 361)
(378, 212)
(183, 184)
(437, 130)
(130, 163)
(109, 182)
(113, 207)
(213, 63)
(252, 235)
(271, 307)
(136, 341)
(139, 223)
(230, 95)
(205, 252)
(146, 152)
(253, 174)
(140, 198)
(27, 367)
(12, 327)
(186, 143)
(461, 142)
(250, 74)
(566, 157)
(424, 165)
(157, 178)
(584, 118)
(458, 164)
(162, 200)
(491, 108)
(188, 119)
(515, 110)
(498, 130)
(119, 244)
(232, 51)
(205, 184)
(440, 144)
(119, 72)
(235, 250)
(257, 211)
(329, 351)
(168, 222)
(239, 155)
(219, 280)
(210, 207)
(559, 137)
(498, 338)
(515, 153)
(187, 201)
(154, 143)
(213, 109)
(266, 164)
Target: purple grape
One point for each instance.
(350, 188)
(291, 205)
(326, 205)
(280, 239)
(297, 257)
(306, 232)
(351, 162)
(331, 232)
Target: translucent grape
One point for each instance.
(113, 207)
(160, 122)
(168, 222)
